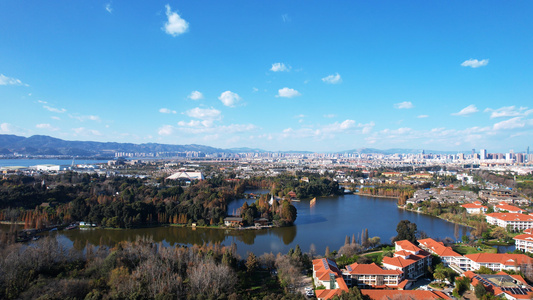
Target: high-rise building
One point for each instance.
(483, 153)
(527, 150)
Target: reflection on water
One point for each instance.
(325, 224)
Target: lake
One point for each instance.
(28, 162)
(326, 224)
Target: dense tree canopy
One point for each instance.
(406, 231)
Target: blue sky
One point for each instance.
(277, 75)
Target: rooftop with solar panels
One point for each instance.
(505, 282)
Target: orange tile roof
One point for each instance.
(438, 247)
(476, 204)
(370, 269)
(323, 267)
(497, 290)
(402, 284)
(407, 246)
(401, 294)
(502, 258)
(507, 207)
(511, 217)
(398, 261)
(529, 230)
(524, 237)
(327, 294)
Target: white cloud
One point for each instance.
(474, 63)
(46, 126)
(333, 79)
(109, 8)
(85, 118)
(53, 109)
(175, 25)
(330, 116)
(255, 90)
(6, 128)
(43, 102)
(516, 122)
(192, 123)
(229, 98)
(204, 113)
(166, 130)
(287, 93)
(285, 18)
(166, 111)
(404, 105)
(195, 95)
(509, 111)
(337, 127)
(422, 116)
(279, 67)
(205, 127)
(4, 80)
(55, 118)
(470, 109)
(86, 132)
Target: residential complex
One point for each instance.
(409, 259)
(511, 221)
(411, 262)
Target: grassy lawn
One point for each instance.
(376, 257)
(464, 249)
(497, 243)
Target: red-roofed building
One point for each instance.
(411, 294)
(475, 207)
(517, 222)
(326, 272)
(447, 255)
(498, 261)
(371, 276)
(508, 208)
(524, 241)
(409, 259)
(501, 284)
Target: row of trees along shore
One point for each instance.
(147, 270)
(124, 202)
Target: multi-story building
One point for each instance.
(447, 255)
(503, 285)
(498, 261)
(503, 206)
(372, 276)
(475, 208)
(409, 259)
(512, 221)
(524, 242)
(327, 274)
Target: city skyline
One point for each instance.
(305, 76)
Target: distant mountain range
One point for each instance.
(46, 145)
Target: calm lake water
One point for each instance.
(26, 162)
(325, 224)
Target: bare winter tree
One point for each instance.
(219, 278)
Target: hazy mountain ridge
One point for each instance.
(46, 145)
